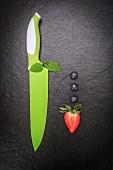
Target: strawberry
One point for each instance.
(71, 116)
(72, 121)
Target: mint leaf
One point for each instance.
(52, 65)
(45, 63)
(37, 67)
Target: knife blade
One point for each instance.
(38, 84)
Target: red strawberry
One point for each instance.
(72, 120)
(71, 116)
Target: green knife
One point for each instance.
(38, 84)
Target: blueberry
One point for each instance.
(74, 87)
(74, 75)
(73, 99)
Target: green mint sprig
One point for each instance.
(37, 67)
(51, 65)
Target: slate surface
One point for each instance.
(79, 35)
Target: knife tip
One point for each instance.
(35, 147)
(38, 15)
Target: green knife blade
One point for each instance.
(38, 83)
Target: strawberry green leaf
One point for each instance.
(62, 111)
(37, 67)
(68, 107)
(63, 108)
(78, 107)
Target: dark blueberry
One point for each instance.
(74, 87)
(73, 99)
(74, 75)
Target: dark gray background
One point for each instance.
(79, 35)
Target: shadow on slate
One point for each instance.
(79, 35)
